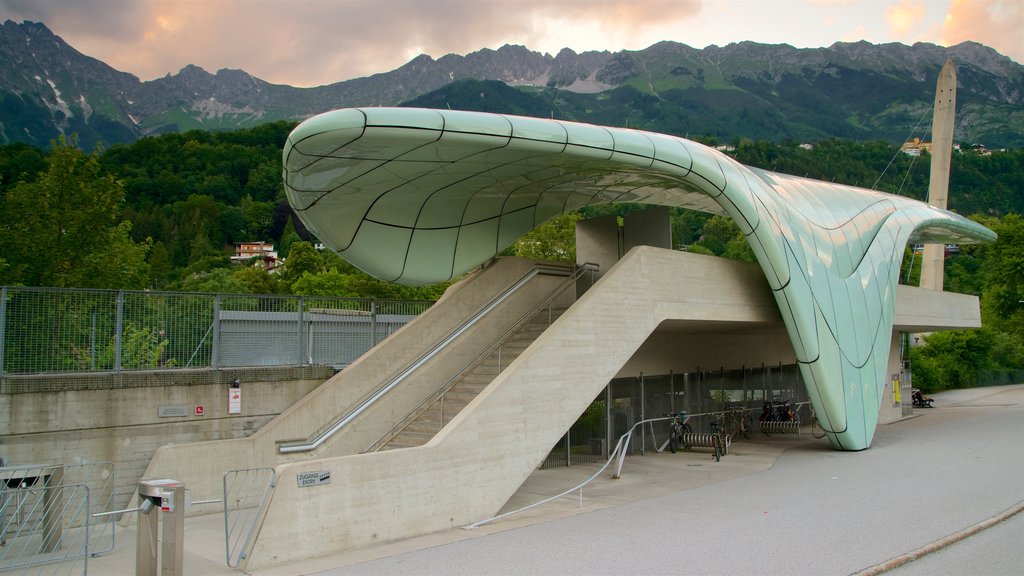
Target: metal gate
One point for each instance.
(246, 493)
(45, 517)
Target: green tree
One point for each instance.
(64, 229)
(288, 236)
(302, 259)
(1003, 271)
(552, 240)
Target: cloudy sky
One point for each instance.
(313, 42)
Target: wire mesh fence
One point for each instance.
(53, 330)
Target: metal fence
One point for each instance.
(54, 330)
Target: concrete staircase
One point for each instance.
(471, 383)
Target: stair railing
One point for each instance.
(495, 345)
(288, 447)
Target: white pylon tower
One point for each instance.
(933, 261)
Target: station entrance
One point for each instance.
(701, 394)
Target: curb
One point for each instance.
(940, 543)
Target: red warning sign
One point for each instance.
(200, 410)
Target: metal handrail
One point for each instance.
(618, 455)
(311, 444)
(495, 344)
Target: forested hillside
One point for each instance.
(186, 198)
(165, 213)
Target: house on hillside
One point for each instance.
(260, 253)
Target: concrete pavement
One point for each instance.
(773, 506)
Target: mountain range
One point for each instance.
(858, 91)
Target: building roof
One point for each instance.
(419, 196)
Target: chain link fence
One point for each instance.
(54, 330)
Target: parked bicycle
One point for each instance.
(776, 412)
(718, 442)
(738, 422)
(678, 430)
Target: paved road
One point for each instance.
(815, 511)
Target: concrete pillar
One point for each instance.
(932, 264)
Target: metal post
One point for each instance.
(643, 400)
(172, 553)
(373, 323)
(568, 449)
(3, 326)
(608, 431)
(92, 343)
(161, 497)
(215, 347)
(118, 327)
(52, 508)
(301, 357)
(672, 392)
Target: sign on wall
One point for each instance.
(234, 400)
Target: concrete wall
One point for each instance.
(97, 420)
(650, 227)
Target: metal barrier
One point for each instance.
(702, 440)
(44, 524)
(55, 330)
(246, 493)
(44, 501)
(780, 427)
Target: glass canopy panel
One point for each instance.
(324, 133)
(670, 155)
(379, 250)
(632, 148)
(843, 261)
(596, 138)
(455, 146)
(418, 118)
(431, 254)
(444, 208)
(402, 205)
(705, 164)
(538, 129)
(842, 314)
(477, 242)
(524, 196)
(327, 174)
(476, 123)
(387, 143)
(514, 225)
(342, 213)
(486, 203)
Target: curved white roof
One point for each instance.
(420, 196)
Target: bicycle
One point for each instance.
(718, 440)
(739, 422)
(775, 412)
(678, 429)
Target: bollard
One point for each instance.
(170, 498)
